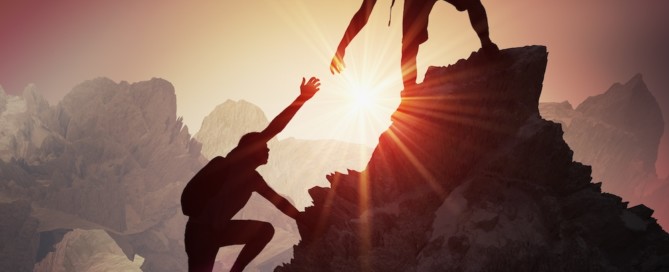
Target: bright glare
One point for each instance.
(366, 102)
(362, 99)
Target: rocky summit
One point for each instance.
(469, 177)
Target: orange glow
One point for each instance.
(424, 172)
(365, 221)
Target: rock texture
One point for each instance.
(114, 157)
(226, 124)
(470, 178)
(110, 156)
(87, 250)
(630, 112)
(128, 150)
(618, 134)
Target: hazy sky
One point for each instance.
(258, 50)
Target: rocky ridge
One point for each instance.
(469, 177)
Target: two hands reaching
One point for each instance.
(309, 88)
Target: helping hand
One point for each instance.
(309, 89)
(337, 64)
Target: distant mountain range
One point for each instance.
(618, 133)
(111, 157)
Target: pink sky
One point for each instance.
(215, 50)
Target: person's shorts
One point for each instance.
(460, 5)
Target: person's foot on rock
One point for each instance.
(408, 89)
(490, 49)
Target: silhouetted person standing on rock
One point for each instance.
(224, 186)
(414, 32)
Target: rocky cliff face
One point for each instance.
(618, 134)
(470, 178)
(125, 148)
(110, 156)
(630, 112)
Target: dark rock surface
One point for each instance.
(470, 178)
(48, 241)
(18, 236)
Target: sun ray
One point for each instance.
(365, 220)
(422, 170)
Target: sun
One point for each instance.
(362, 99)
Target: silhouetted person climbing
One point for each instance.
(224, 186)
(414, 32)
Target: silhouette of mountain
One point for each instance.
(469, 178)
(618, 134)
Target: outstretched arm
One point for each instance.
(279, 201)
(307, 91)
(358, 21)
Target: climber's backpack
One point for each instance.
(203, 187)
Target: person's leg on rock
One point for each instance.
(254, 235)
(479, 21)
(408, 62)
(202, 243)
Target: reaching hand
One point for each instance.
(309, 89)
(337, 65)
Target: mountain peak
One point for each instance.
(636, 80)
(634, 90)
(232, 119)
(630, 107)
(35, 101)
(467, 173)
